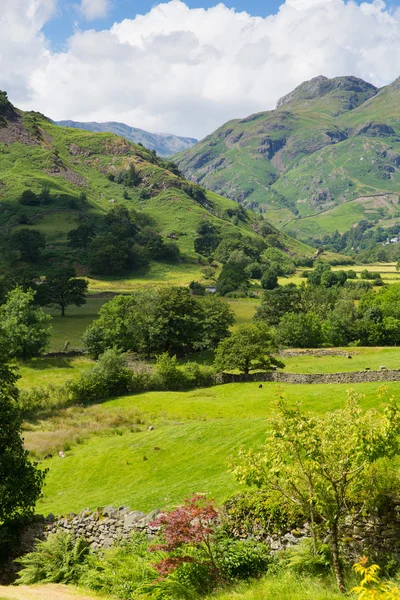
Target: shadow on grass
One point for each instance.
(41, 364)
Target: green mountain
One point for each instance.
(77, 176)
(164, 144)
(327, 157)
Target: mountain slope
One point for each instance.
(164, 144)
(328, 156)
(80, 175)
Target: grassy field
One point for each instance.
(144, 469)
(362, 358)
(42, 372)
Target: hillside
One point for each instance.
(328, 156)
(164, 144)
(77, 177)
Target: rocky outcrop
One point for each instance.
(321, 86)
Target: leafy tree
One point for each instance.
(29, 243)
(278, 302)
(248, 349)
(232, 278)
(29, 198)
(217, 318)
(206, 244)
(314, 277)
(317, 462)
(24, 326)
(279, 260)
(62, 288)
(340, 326)
(197, 288)
(108, 255)
(81, 236)
(269, 280)
(126, 322)
(23, 277)
(20, 480)
(297, 330)
(180, 319)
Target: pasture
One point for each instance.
(195, 435)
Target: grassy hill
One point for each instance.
(75, 173)
(328, 156)
(164, 144)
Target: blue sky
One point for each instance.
(63, 25)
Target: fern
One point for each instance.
(60, 558)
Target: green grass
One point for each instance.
(76, 320)
(287, 586)
(372, 358)
(42, 372)
(195, 434)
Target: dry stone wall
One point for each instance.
(313, 378)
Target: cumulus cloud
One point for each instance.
(23, 47)
(94, 9)
(190, 70)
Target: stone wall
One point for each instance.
(101, 528)
(313, 378)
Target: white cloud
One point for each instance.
(94, 9)
(190, 70)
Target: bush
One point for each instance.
(109, 377)
(58, 559)
(243, 559)
(120, 571)
(304, 560)
(169, 374)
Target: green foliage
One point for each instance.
(154, 321)
(21, 481)
(249, 348)
(269, 280)
(24, 327)
(109, 377)
(59, 559)
(121, 571)
(306, 558)
(62, 288)
(316, 462)
(81, 236)
(232, 278)
(28, 243)
(277, 302)
(297, 330)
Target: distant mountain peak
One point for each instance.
(337, 86)
(165, 144)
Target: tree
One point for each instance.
(21, 480)
(29, 198)
(24, 326)
(217, 318)
(249, 348)
(29, 243)
(108, 255)
(317, 463)
(278, 302)
(232, 278)
(81, 236)
(63, 288)
(269, 280)
(297, 330)
(179, 317)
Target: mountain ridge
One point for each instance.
(165, 144)
(330, 145)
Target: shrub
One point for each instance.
(109, 377)
(58, 559)
(120, 571)
(242, 559)
(305, 559)
(169, 374)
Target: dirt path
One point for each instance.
(44, 592)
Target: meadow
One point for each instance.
(195, 435)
